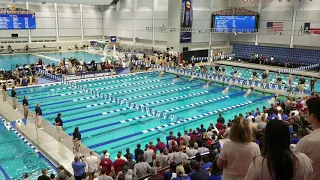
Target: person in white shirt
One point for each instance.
(122, 157)
(277, 160)
(310, 144)
(237, 154)
(148, 155)
(250, 117)
(186, 138)
(179, 156)
(192, 152)
(93, 163)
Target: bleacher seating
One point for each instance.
(294, 55)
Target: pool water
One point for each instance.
(246, 73)
(18, 158)
(9, 61)
(107, 125)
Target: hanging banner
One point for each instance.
(186, 21)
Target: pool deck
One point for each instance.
(270, 68)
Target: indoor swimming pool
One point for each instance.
(108, 125)
(17, 158)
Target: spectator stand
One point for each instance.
(213, 58)
(295, 56)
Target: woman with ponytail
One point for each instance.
(277, 161)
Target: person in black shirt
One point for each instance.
(44, 175)
(138, 152)
(38, 116)
(59, 124)
(4, 92)
(302, 82)
(25, 107)
(76, 141)
(279, 79)
(312, 83)
(221, 119)
(14, 98)
(254, 76)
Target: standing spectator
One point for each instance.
(198, 174)
(4, 92)
(170, 137)
(237, 154)
(277, 160)
(93, 163)
(310, 144)
(25, 107)
(162, 158)
(59, 124)
(130, 163)
(127, 153)
(118, 164)
(104, 176)
(191, 152)
(38, 116)
(138, 152)
(121, 156)
(312, 84)
(104, 155)
(154, 175)
(221, 119)
(151, 146)
(76, 141)
(106, 164)
(14, 98)
(142, 168)
(63, 175)
(301, 82)
(44, 175)
(186, 138)
(160, 145)
(78, 168)
(148, 154)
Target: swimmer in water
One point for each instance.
(225, 91)
(161, 74)
(248, 92)
(207, 85)
(271, 101)
(177, 77)
(192, 77)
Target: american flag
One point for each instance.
(275, 26)
(311, 28)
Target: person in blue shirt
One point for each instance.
(168, 175)
(78, 168)
(207, 164)
(181, 174)
(215, 172)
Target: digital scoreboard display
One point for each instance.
(234, 23)
(17, 21)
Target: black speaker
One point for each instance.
(185, 49)
(14, 35)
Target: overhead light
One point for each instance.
(235, 33)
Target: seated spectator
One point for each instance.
(207, 164)
(198, 174)
(154, 175)
(277, 160)
(168, 175)
(237, 154)
(181, 175)
(203, 148)
(215, 172)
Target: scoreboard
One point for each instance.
(17, 21)
(234, 23)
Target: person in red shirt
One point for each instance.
(179, 139)
(194, 136)
(118, 164)
(160, 145)
(219, 126)
(151, 146)
(106, 163)
(223, 130)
